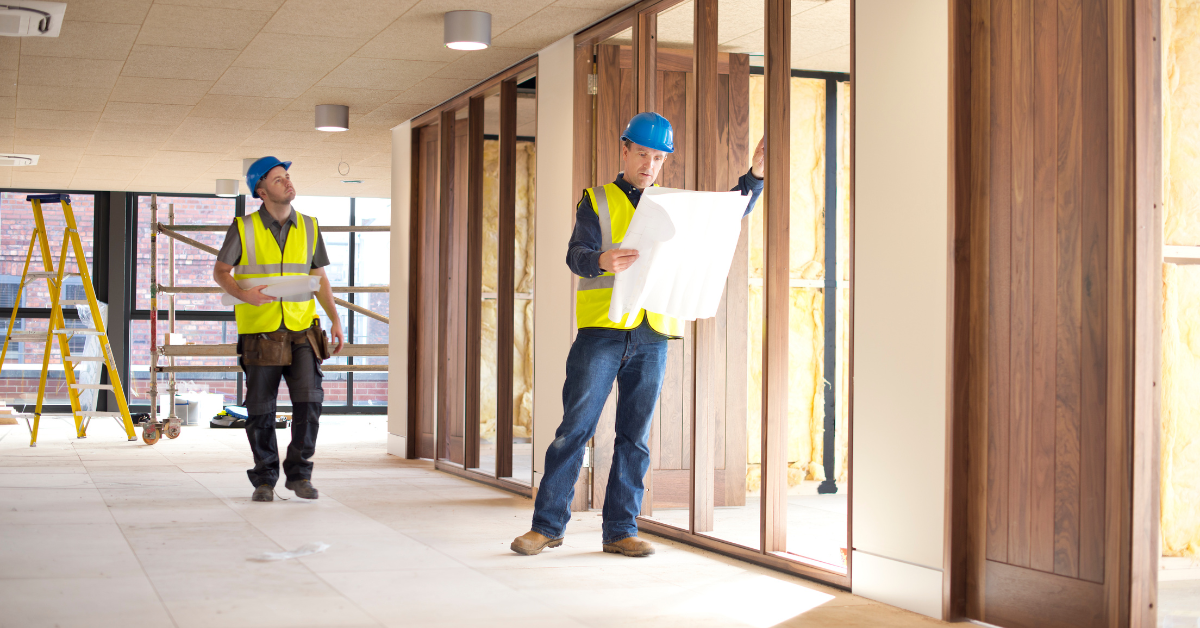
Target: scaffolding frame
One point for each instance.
(174, 234)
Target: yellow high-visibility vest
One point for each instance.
(592, 295)
(261, 257)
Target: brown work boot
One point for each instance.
(532, 543)
(302, 488)
(264, 493)
(630, 546)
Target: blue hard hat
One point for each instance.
(650, 130)
(259, 169)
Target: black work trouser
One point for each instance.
(304, 378)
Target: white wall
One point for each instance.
(398, 296)
(555, 219)
(902, 300)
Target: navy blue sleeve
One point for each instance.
(583, 252)
(752, 186)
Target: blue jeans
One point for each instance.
(593, 364)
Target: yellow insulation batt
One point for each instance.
(1180, 518)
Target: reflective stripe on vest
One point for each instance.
(261, 257)
(592, 294)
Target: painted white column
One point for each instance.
(555, 220)
(398, 295)
(902, 300)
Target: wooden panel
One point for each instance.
(581, 176)
(448, 379)
(1094, 254)
(1021, 303)
(737, 291)
(777, 113)
(672, 104)
(1078, 603)
(1067, 364)
(426, 267)
(603, 444)
(474, 288)
(417, 192)
(506, 237)
(647, 73)
(999, 287)
(671, 404)
(1044, 279)
(608, 112)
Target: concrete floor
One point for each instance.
(102, 532)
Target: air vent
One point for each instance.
(31, 18)
(8, 159)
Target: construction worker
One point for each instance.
(632, 354)
(278, 337)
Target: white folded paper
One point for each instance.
(277, 287)
(686, 242)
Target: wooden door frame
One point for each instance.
(1135, 287)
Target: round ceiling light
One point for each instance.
(227, 187)
(467, 30)
(333, 118)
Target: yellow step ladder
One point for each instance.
(57, 325)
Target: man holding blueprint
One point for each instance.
(271, 263)
(630, 350)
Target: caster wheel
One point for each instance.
(151, 435)
(173, 431)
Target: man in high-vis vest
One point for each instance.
(632, 352)
(276, 241)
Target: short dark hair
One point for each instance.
(628, 144)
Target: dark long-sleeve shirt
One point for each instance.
(583, 252)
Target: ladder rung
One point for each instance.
(74, 302)
(92, 386)
(78, 331)
(43, 274)
(83, 358)
(28, 336)
(97, 413)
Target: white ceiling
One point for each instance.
(169, 95)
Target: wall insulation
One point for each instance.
(806, 321)
(523, 285)
(1181, 284)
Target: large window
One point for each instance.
(23, 360)
(201, 319)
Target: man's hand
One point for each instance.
(760, 152)
(337, 336)
(617, 260)
(255, 296)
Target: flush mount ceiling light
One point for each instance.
(333, 118)
(247, 162)
(468, 30)
(227, 187)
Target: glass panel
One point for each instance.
(370, 389)
(198, 332)
(490, 279)
(671, 433)
(193, 267)
(526, 211)
(17, 225)
(816, 479)
(23, 366)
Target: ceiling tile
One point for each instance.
(60, 120)
(109, 11)
(104, 174)
(358, 19)
(145, 113)
(418, 36)
(269, 82)
(65, 72)
(239, 107)
(256, 5)
(52, 164)
(533, 33)
(360, 101)
(198, 27)
(180, 158)
(390, 115)
(5, 176)
(84, 40)
(8, 107)
(121, 148)
(284, 139)
(277, 50)
(484, 63)
(433, 91)
(109, 185)
(8, 83)
(298, 120)
(159, 91)
(61, 98)
(132, 132)
(112, 162)
(22, 178)
(608, 6)
(205, 64)
(836, 60)
(388, 74)
(52, 137)
(208, 145)
(57, 152)
(10, 52)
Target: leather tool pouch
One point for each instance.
(271, 349)
(319, 341)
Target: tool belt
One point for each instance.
(275, 348)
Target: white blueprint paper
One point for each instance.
(276, 287)
(685, 242)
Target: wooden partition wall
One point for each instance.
(1058, 236)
